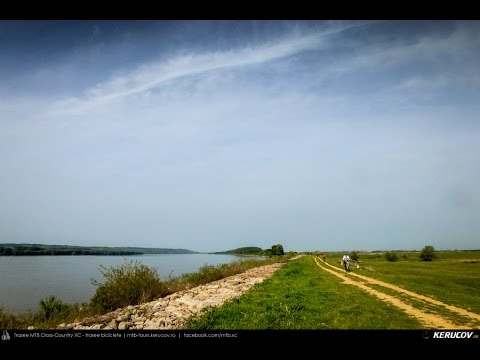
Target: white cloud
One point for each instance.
(150, 76)
(270, 156)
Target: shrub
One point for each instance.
(131, 283)
(428, 253)
(8, 321)
(391, 256)
(209, 273)
(354, 256)
(205, 274)
(277, 250)
(53, 311)
(375, 256)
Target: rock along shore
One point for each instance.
(172, 311)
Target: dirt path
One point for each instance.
(429, 320)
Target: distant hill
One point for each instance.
(11, 249)
(247, 250)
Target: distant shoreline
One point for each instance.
(30, 249)
(12, 249)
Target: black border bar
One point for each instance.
(14, 336)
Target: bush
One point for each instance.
(277, 250)
(205, 274)
(209, 273)
(131, 283)
(51, 309)
(8, 321)
(354, 256)
(428, 253)
(391, 256)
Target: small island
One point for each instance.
(276, 249)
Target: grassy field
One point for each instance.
(453, 277)
(302, 296)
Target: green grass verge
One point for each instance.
(302, 296)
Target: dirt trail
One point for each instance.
(427, 319)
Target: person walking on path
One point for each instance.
(346, 262)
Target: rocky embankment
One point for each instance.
(172, 311)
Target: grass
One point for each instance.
(428, 307)
(453, 277)
(301, 296)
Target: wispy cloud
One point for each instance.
(150, 76)
(373, 128)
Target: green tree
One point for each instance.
(428, 253)
(277, 250)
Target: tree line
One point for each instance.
(35, 250)
(275, 250)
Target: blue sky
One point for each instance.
(212, 135)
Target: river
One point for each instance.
(25, 280)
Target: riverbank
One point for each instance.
(26, 280)
(172, 311)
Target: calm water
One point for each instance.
(25, 280)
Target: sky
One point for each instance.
(213, 135)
